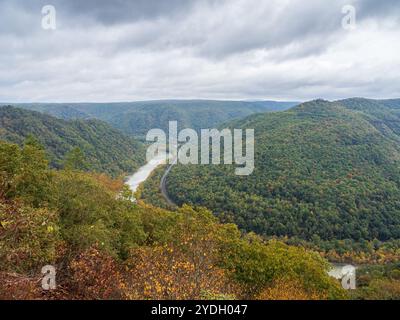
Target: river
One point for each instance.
(144, 172)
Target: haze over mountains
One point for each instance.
(137, 118)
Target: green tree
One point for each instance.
(75, 160)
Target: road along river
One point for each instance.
(163, 186)
(144, 172)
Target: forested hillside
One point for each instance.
(104, 148)
(137, 118)
(324, 172)
(386, 114)
(104, 246)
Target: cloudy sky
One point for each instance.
(127, 50)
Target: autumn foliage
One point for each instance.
(104, 246)
(168, 272)
(289, 289)
(19, 287)
(95, 275)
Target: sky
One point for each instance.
(127, 50)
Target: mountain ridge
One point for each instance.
(322, 171)
(136, 118)
(105, 148)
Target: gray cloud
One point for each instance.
(377, 9)
(108, 12)
(121, 11)
(242, 49)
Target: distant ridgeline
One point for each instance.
(323, 171)
(104, 148)
(137, 118)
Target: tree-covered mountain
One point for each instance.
(386, 113)
(58, 110)
(323, 171)
(137, 118)
(104, 148)
(103, 246)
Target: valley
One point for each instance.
(324, 188)
(137, 118)
(199, 157)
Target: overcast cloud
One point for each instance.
(235, 49)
